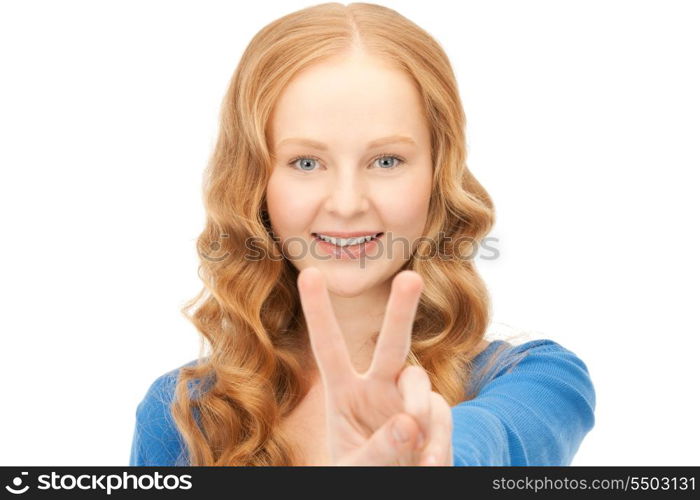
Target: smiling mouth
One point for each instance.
(335, 240)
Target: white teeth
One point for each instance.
(342, 242)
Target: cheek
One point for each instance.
(405, 207)
(287, 206)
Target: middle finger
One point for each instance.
(415, 389)
(394, 340)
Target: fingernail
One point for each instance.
(399, 434)
(430, 460)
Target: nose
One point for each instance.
(347, 193)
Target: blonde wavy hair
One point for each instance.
(249, 312)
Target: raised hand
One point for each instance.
(368, 413)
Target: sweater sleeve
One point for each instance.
(535, 410)
(156, 440)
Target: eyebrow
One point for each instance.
(392, 139)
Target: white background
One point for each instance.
(583, 125)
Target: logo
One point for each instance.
(17, 482)
(106, 482)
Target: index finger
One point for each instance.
(327, 342)
(395, 338)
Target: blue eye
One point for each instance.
(397, 161)
(306, 160)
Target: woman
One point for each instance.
(354, 332)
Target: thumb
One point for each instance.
(394, 443)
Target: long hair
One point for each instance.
(249, 313)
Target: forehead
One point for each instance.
(353, 98)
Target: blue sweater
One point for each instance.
(534, 406)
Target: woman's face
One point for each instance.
(342, 182)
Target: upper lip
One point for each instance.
(353, 234)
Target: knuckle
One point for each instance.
(439, 401)
(441, 409)
(414, 374)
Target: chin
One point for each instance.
(348, 282)
(347, 292)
